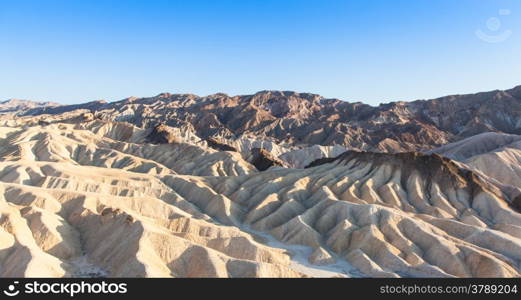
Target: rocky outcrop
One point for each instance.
(517, 203)
(43, 123)
(300, 158)
(215, 144)
(161, 134)
(321, 161)
(263, 160)
(430, 167)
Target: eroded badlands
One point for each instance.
(87, 197)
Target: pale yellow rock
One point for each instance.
(95, 191)
(321, 257)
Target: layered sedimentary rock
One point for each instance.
(303, 119)
(161, 134)
(263, 160)
(495, 155)
(96, 196)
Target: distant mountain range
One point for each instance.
(17, 105)
(302, 119)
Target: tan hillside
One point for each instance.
(85, 197)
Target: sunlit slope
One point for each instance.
(98, 192)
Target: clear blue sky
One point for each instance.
(370, 51)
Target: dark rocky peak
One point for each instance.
(161, 134)
(516, 204)
(220, 146)
(430, 167)
(263, 159)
